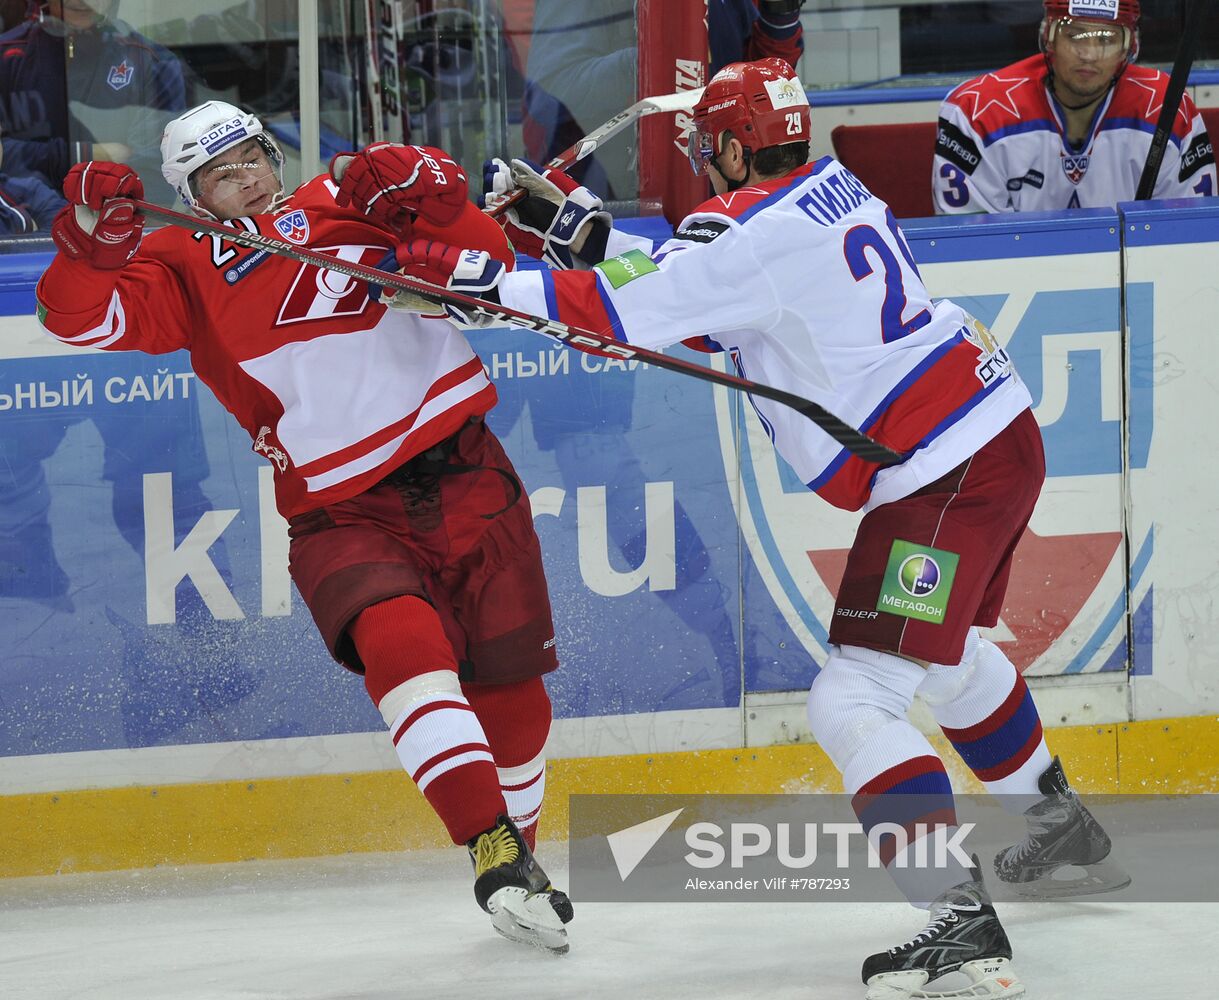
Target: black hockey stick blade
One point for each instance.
(1172, 99)
(851, 439)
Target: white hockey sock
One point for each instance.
(857, 711)
(524, 787)
(442, 746)
(987, 712)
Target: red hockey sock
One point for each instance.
(516, 719)
(411, 674)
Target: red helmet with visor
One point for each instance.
(761, 103)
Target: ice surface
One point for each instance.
(382, 926)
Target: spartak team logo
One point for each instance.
(294, 227)
(1075, 166)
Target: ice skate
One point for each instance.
(962, 952)
(511, 886)
(1065, 850)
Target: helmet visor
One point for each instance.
(243, 181)
(700, 147)
(1090, 38)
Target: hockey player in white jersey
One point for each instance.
(1069, 127)
(803, 277)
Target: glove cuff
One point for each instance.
(578, 208)
(477, 273)
(594, 249)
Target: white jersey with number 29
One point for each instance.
(808, 284)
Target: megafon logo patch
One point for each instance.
(919, 575)
(223, 135)
(917, 582)
(1066, 595)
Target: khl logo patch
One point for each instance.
(1075, 166)
(294, 227)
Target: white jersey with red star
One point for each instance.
(334, 389)
(1001, 145)
(807, 282)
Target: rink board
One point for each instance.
(154, 637)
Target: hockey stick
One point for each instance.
(1172, 99)
(683, 100)
(854, 441)
(372, 56)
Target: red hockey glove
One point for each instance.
(471, 272)
(391, 184)
(100, 224)
(550, 217)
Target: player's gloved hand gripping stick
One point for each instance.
(853, 440)
(683, 100)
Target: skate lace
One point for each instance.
(1024, 850)
(498, 847)
(1041, 825)
(940, 922)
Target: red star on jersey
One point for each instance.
(990, 93)
(1155, 101)
(729, 197)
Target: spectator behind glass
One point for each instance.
(1068, 128)
(582, 70)
(77, 84)
(27, 204)
(13, 12)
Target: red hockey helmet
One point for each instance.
(1123, 14)
(761, 103)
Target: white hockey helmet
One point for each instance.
(195, 138)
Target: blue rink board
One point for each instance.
(81, 669)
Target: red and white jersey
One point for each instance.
(1002, 147)
(808, 283)
(334, 389)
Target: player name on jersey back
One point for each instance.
(838, 195)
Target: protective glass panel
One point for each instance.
(99, 80)
(480, 79)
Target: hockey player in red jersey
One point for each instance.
(412, 540)
(803, 276)
(1069, 128)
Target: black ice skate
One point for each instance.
(962, 952)
(511, 886)
(1062, 854)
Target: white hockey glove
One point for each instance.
(549, 223)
